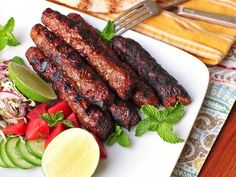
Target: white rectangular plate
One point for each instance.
(149, 155)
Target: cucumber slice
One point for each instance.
(26, 155)
(4, 155)
(2, 164)
(14, 155)
(36, 147)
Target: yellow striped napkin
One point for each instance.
(209, 42)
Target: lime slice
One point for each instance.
(30, 84)
(74, 152)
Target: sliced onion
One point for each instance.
(22, 110)
(8, 95)
(9, 111)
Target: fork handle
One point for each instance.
(218, 19)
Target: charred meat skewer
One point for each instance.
(97, 52)
(143, 93)
(68, 61)
(90, 85)
(90, 116)
(166, 86)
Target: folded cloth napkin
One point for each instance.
(209, 42)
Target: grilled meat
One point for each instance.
(143, 94)
(90, 85)
(97, 52)
(90, 116)
(166, 86)
(68, 61)
(124, 113)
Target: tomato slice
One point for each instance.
(73, 118)
(103, 152)
(16, 129)
(55, 131)
(60, 106)
(37, 111)
(36, 129)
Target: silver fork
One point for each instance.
(139, 13)
(149, 8)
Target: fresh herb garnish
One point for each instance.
(6, 36)
(161, 121)
(53, 119)
(108, 32)
(120, 137)
(18, 60)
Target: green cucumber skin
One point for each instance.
(2, 164)
(15, 156)
(27, 155)
(4, 155)
(34, 150)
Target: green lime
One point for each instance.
(30, 84)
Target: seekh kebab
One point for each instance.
(88, 82)
(68, 61)
(97, 52)
(90, 116)
(143, 94)
(166, 86)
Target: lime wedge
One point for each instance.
(30, 84)
(74, 152)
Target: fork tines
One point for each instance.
(135, 15)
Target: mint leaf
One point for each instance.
(112, 139)
(175, 113)
(165, 131)
(6, 36)
(68, 123)
(3, 43)
(123, 139)
(120, 137)
(151, 112)
(53, 119)
(160, 121)
(18, 60)
(10, 25)
(108, 32)
(12, 41)
(142, 127)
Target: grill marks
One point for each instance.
(166, 86)
(91, 117)
(96, 51)
(89, 84)
(143, 94)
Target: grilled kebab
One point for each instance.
(166, 86)
(90, 116)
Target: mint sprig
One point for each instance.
(108, 32)
(53, 119)
(120, 137)
(6, 35)
(161, 121)
(18, 60)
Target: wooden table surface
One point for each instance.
(221, 161)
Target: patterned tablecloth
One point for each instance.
(216, 107)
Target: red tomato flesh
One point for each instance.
(37, 128)
(16, 129)
(60, 106)
(37, 111)
(55, 131)
(73, 118)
